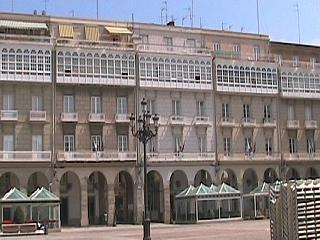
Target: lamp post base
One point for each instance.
(146, 229)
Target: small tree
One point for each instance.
(18, 216)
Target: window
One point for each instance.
(227, 146)
(308, 112)
(268, 146)
(295, 61)
(122, 143)
(151, 107)
(37, 143)
(248, 146)
(256, 53)
(191, 43)
(310, 145)
(8, 102)
(68, 104)
(178, 146)
(95, 104)
(144, 39)
(225, 111)
(122, 105)
(8, 143)
(237, 50)
(246, 112)
(176, 111)
(96, 143)
(37, 103)
(290, 112)
(202, 144)
(200, 108)
(216, 47)
(168, 42)
(267, 113)
(292, 145)
(68, 143)
(312, 62)
(152, 145)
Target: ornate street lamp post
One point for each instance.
(144, 131)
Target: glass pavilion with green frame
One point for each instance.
(200, 203)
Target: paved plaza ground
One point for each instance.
(234, 230)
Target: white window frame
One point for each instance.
(8, 142)
(269, 146)
(201, 108)
(37, 103)
(37, 143)
(202, 144)
(291, 112)
(246, 112)
(68, 104)
(267, 113)
(8, 102)
(225, 111)
(248, 148)
(96, 104)
(123, 143)
(69, 141)
(96, 143)
(122, 105)
(292, 145)
(256, 53)
(176, 107)
(227, 146)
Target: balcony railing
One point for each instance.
(96, 156)
(300, 64)
(122, 118)
(310, 124)
(25, 156)
(249, 157)
(248, 122)
(9, 115)
(243, 56)
(206, 156)
(25, 38)
(269, 123)
(69, 117)
(177, 120)
(173, 49)
(202, 121)
(227, 122)
(301, 156)
(119, 45)
(38, 116)
(97, 117)
(293, 124)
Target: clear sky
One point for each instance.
(278, 18)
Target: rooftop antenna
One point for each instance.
(298, 15)
(45, 5)
(191, 15)
(97, 9)
(258, 18)
(165, 8)
(230, 26)
(222, 25)
(183, 18)
(242, 28)
(11, 5)
(72, 12)
(200, 22)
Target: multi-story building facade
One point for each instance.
(68, 86)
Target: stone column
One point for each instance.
(84, 202)
(111, 206)
(167, 210)
(139, 206)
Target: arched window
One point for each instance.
(75, 64)
(149, 68)
(26, 62)
(155, 68)
(312, 83)
(19, 61)
(104, 65)
(89, 64)
(295, 82)
(274, 77)
(96, 64)
(117, 64)
(219, 73)
(40, 62)
(12, 61)
(253, 76)
(185, 70)
(33, 57)
(124, 66)
(47, 63)
(4, 60)
(167, 70)
(290, 82)
(225, 74)
(82, 61)
(242, 76)
(197, 72)
(209, 73)
(142, 68)
(131, 67)
(179, 70)
(236, 75)
(191, 72)
(161, 70)
(173, 69)
(264, 76)
(259, 76)
(247, 76)
(284, 80)
(67, 64)
(229, 77)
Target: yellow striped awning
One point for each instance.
(23, 25)
(118, 30)
(66, 30)
(92, 33)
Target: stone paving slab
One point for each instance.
(235, 230)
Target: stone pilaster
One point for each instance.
(139, 206)
(167, 210)
(84, 202)
(111, 205)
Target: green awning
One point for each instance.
(14, 195)
(43, 195)
(23, 25)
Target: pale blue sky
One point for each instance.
(278, 18)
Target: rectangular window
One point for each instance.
(267, 113)
(216, 47)
(37, 143)
(225, 111)
(176, 111)
(246, 112)
(8, 102)
(248, 146)
(144, 39)
(8, 143)
(122, 105)
(295, 61)
(227, 146)
(256, 53)
(151, 106)
(268, 146)
(202, 144)
(167, 41)
(310, 145)
(178, 147)
(68, 143)
(290, 112)
(292, 145)
(200, 108)
(37, 103)
(68, 104)
(122, 143)
(95, 104)
(308, 112)
(152, 145)
(237, 50)
(96, 143)
(191, 43)
(312, 62)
